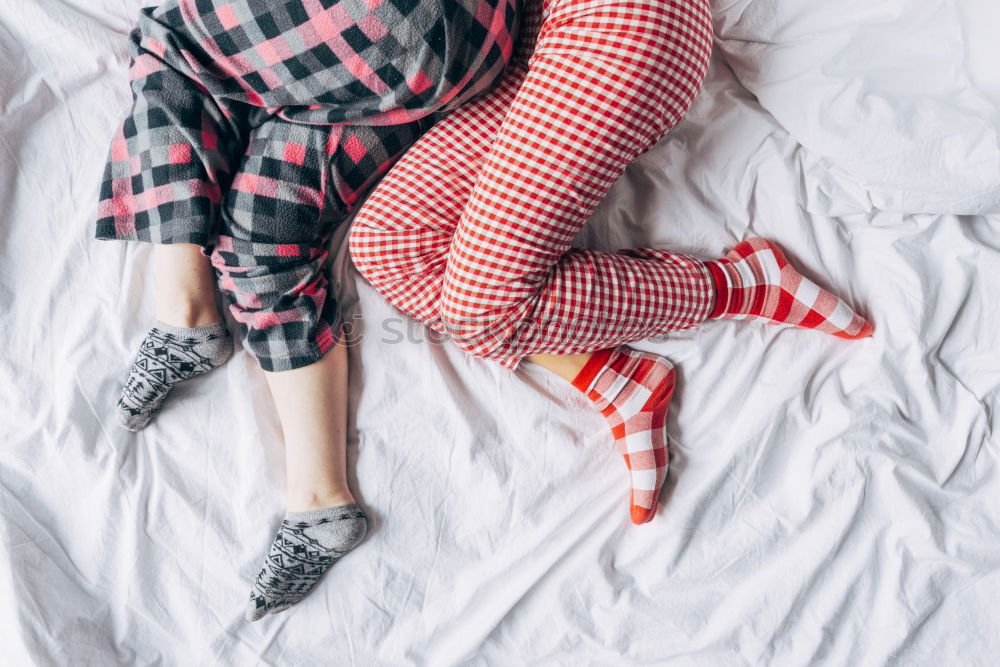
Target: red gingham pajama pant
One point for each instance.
(470, 231)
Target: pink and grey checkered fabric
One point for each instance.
(257, 125)
(471, 230)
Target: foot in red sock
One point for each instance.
(632, 390)
(755, 280)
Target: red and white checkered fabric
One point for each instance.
(632, 390)
(756, 281)
(470, 231)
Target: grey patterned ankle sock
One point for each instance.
(169, 355)
(306, 546)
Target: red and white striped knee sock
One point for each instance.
(632, 390)
(755, 280)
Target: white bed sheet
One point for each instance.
(879, 91)
(829, 503)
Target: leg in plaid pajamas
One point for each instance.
(295, 184)
(208, 77)
(470, 232)
(257, 126)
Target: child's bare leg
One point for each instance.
(323, 522)
(312, 407)
(185, 286)
(188, 339)
(566, 366)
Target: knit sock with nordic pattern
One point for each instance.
(169, 355)
(632, 390)
(306, 546)
(755, 280)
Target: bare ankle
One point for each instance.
(185, 286)
(187, 313)
(304, 502)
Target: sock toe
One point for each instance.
(866, 331)
(255, 612)
(641, 515)
(132, 422)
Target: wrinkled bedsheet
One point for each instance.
(829, 502)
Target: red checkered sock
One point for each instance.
(756, 280)
(632, 390)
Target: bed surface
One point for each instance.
(829, 502)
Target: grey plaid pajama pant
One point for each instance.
(258, 125)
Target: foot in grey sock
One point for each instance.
(169, 355)
(307, 545)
